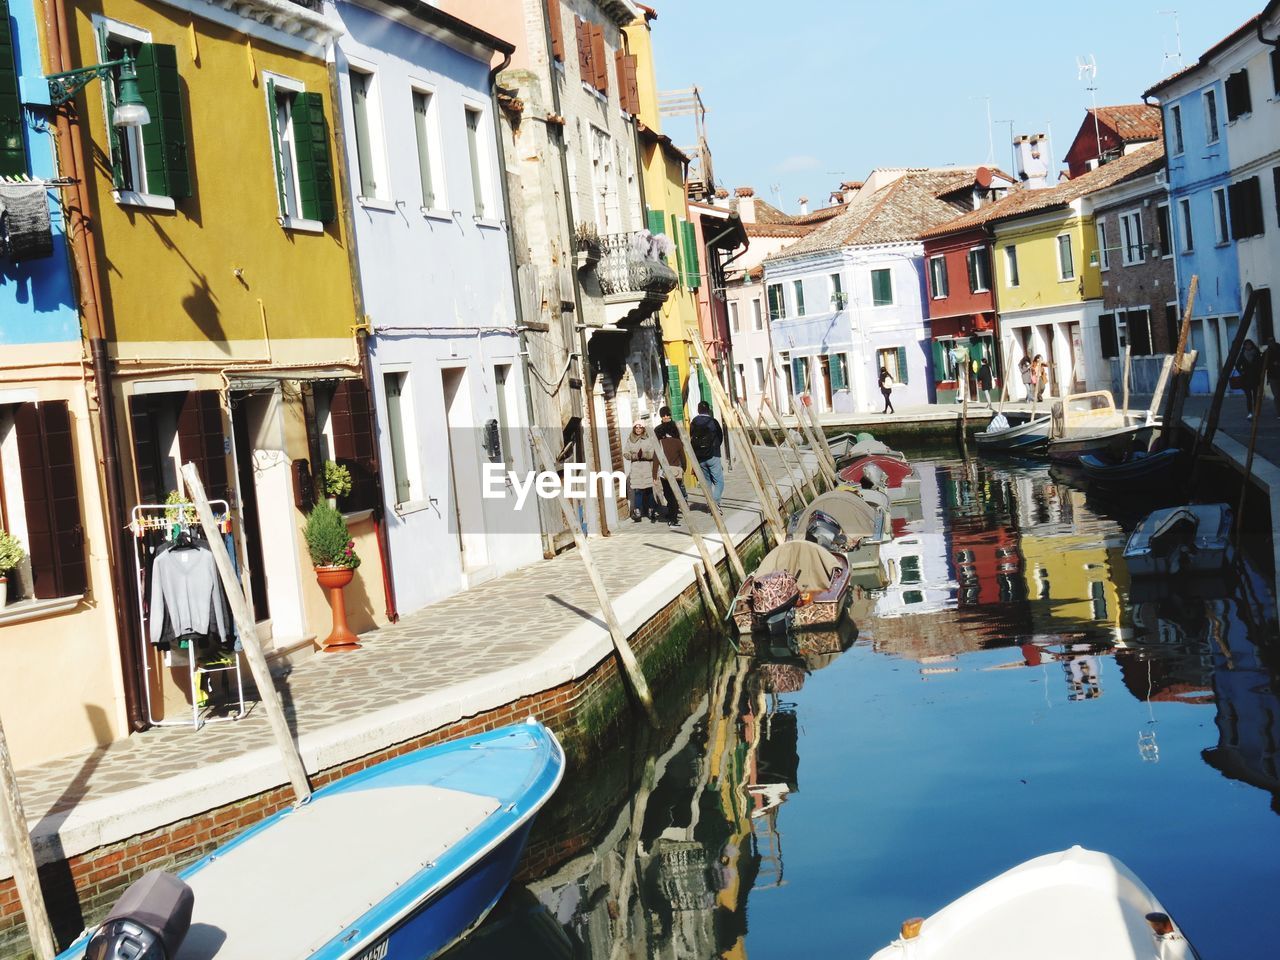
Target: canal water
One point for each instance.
(1007, 691)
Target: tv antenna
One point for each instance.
(1087, 70)
(1177, 32)
(776, 190)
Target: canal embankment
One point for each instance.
(533, 643)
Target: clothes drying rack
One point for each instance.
(151, 524)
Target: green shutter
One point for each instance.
(837, 372)
(801, 384)
(675, 396)
(972, 263)
(692, 276)
(13, 153)
(164, 139)
(704, 388)
(656, 220)
(273, 110)
(939, 362)
(902, 364)
(315, 172)
(678, 255)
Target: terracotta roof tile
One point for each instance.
(1132, 121)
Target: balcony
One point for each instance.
(633, 277)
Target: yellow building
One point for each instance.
(225, 273)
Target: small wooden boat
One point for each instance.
(847, 447)
(1089, 423)
(1062, 906)
(1138, 469)
(396, 862)
(861, 526)
(821, 577)
(1026, 438)
(892, 474)
(1194, 539)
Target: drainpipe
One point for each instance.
(1269, 43)
(70, 149)
(588, 400)
(548, 545)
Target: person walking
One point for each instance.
(706, 438)
(1250, 367)
(1024, 368)
(886, 389)
(642, 472)
(1271, 366)
(668, 435)
(1038, 377)
(984, 380)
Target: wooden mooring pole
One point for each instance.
(814, 479)
(713, 574)
(22, 856)
(1204, 441)
(735, 561)
(803, 482)
(1181, 372)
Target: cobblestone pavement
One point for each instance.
(494, 626)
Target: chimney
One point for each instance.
(746, 204)
(804, 206)
(1031, 160)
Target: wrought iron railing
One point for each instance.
(631, 263)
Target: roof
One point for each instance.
(898, 211)
(1239, 33)
(1132, 122)
(1146, 159)
(448, 24)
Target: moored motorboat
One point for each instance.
(1089, 423)
(846, 523)
(895, 476)
(1061, 906)
(1195, 540)
(1026, 438)
(1138, 469)
(396, 862)
(798, 584)
(847, 447)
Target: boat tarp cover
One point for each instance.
(856, 517)
(812, 565)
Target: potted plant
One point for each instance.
(11, 554)
(333, 554)
(337, 481)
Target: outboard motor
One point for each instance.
(148, 923)
(873, 478)
(825, 531)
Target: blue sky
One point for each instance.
(806, 93)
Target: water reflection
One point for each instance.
(1004, 596)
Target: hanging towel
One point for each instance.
(25, 229)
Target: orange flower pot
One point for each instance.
(334, 579)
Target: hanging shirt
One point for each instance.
(185, 589)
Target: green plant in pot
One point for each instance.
(337, 481)
(333, 554)
(11, 554)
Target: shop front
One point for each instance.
(960, 345)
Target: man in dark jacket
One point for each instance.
(706, 436)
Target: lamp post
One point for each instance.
(130, 110)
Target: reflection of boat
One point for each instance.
(810, 650)
(397, 861)
(1089, 423)
(520, 926)
(1062, 906)
(822, 579)
(862, 527)
(848, 446)
(1025, 438)
(1194, 539)
(1138, 469)
(880, 471)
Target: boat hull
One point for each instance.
(1024, 439)
(1137, 471)
(1207, 552)
(1114, 443)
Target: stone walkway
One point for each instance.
(511, 637)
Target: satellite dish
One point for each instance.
(983, 177)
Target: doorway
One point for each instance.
(824, 365)
(465, 506)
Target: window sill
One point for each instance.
(145, 201)
(444, 216)
(489, 224)
(375, 203)
(21, 611)
(413, 506)
(1222, 245)
(301, 226)
(357, 516)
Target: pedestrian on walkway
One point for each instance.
(706, 437)
(1039, 376)
(984, 380)
(886, 389)
(642, 472)
(668, 435)
(1024, 368)
(1250, 367)
(1271, 366)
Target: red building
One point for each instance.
(961, 304)
(1111, 132)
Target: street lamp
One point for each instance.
(130, 110)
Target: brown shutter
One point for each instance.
(201, 440)
(584, 48)
(146, 448)
(51, 493)
(599, 61)
(555, 17)
(630, 84)
(354, 445)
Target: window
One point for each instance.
(424, 127)
(838, 300)
(1108, 336)
(339, 421)
(300, 138)
(1239, 100)
(1066, 263)
(1188, 237)
(150, 161)
(1210, 116)
(938, 277)
(369, 150)
(1133, 250)
(1011, 266)
(13, 153)
(1104, 254)
(1137, 325)
(881, 288)
(797, 288)
(733, 315)
(1221, 221)
(593, 64)
(479, 165)
(1176, 146)
(757, 320)
(893, 359)
(501, 400)
(838, 370)
(1245, 201)
(399, 415)
(1165, 228)
(979, 270)
(760, 374)
(777, 301)
(1275, 70)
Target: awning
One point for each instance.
(724, 233)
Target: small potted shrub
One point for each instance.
(333, 554)
(337, 481)
(11, 554)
